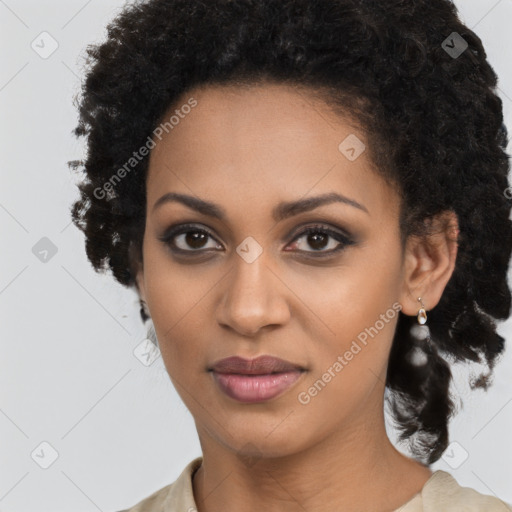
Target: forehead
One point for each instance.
(264, 143)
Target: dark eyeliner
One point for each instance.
(173, 231)
(344, 239)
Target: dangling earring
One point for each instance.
(418, 354)
(422, 314)
(420, 331)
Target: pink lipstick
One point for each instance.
(255, 380)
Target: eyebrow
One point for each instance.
(280, 212)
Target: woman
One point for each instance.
(310, 199)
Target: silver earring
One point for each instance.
(422, 314)
(421, 332)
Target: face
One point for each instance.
(243, 276)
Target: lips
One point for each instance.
(262, 365)
(255, 380)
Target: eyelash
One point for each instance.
(343, 239)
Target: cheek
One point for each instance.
(172, 289)
(349, 365)
(347, 298)
(175, 295)
(356, 310)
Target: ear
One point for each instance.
(139, 282)
(429, 262)
(137, 269)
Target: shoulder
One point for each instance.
(443, 492)
(173, 497)
(154, 502)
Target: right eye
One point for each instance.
(188, 238)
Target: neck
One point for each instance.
(356, 468)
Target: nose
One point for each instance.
(253, 297)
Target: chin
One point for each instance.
(261, 445)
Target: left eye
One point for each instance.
(317, 237)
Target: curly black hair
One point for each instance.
(409, 71)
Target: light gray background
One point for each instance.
(68, 373)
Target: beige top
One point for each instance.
(440, 493)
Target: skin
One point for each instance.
(246, 150)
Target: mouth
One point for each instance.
(255, 380)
